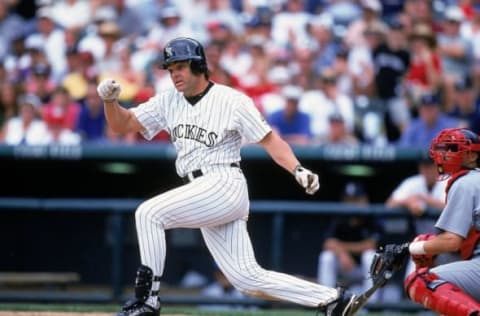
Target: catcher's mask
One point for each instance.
(185, 49)
(450, 147)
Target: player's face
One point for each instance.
(183, 78)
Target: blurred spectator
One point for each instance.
(110, 36)
(345, 79)
(91, 122)
(425, 70)
(292, 124)
(218, 73)
(302, 67)
(17, 60)
(455, 52)
(71, 13)
(203, 12)
(91, 40)
(349, 246)
(430, 122)
(169, 24)
(130, 22)
(289, 25)
(325, 47)
(11, 27)
(326, 99)
(466, 105)
(420, 12)
(471, 31)
(27, 128)
(236, 56)
(391, 60)
(57, 132)
(360, 59)
(40, 82)
(371, 14)
(53, 40)
(418, 192)
(255, 82)
(62, 109)
(80, 70)
(260, 24)
(338, 133)
(8, 101)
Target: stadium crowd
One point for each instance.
(321, 72)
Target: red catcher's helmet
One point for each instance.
(450, 147)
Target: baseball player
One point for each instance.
(452, 289)
(207, 123)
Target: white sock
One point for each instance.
(152, 300)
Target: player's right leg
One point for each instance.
(232, 250)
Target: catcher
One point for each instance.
(451, 289)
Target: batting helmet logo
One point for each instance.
(182, 49)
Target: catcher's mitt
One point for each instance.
(387, 260)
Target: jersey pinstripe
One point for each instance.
(207, 133)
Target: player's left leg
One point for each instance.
(212, 199)
(232, 250)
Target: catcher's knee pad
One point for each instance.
(143, 283)
(426, 288)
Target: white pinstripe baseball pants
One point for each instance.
(218, 204)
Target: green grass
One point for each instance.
(110, 308)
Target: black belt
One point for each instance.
(198, 173)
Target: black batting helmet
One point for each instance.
(184, 48)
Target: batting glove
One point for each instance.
(109, 90)
(307, 179)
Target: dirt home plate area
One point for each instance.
(33, 313)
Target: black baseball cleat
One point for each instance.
(136, 307)
(341, 306)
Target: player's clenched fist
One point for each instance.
(109, 90)
(307, 179)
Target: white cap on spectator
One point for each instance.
(45, 12)
(279, 75)
(169, 11)
(292, 92)
(324, 19)
(34, 43)
(104, 13)
(373, 5)
(454, 13)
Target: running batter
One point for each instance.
(208, 123)
(452, 289)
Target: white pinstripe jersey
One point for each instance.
(208, 133)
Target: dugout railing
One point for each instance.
(117, 209)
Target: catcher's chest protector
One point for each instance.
(438, 295)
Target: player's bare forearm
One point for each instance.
(443, 242)
(120, 119)
(280, 151)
